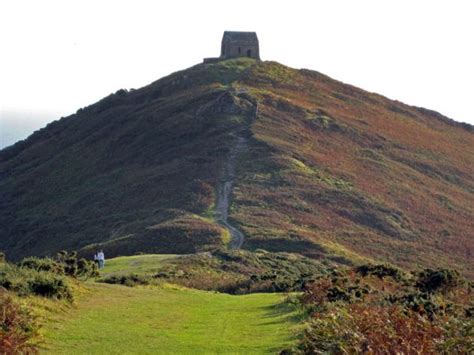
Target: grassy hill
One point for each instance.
(329, 170)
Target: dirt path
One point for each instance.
(224, 191)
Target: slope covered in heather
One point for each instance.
(328, 170)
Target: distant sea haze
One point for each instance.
(18, 125)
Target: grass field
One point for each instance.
(116, 319)
(148, 263)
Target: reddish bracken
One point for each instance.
(17, 328)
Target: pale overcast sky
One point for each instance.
(58, 56)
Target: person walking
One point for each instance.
(101, 258)
(96, 259)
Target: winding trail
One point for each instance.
(224, 190)
(227, 180)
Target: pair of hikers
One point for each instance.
(99, 259)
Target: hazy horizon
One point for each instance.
(64, 56)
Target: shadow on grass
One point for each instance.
(284, 311)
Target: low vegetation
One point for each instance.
(65, 263)
(369, 309)
(381, 309)
(25, 282)
(46, 277)
(230, 271)
(18, 328)
(50, 278)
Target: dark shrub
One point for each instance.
(380, 270)
(41, 264)
(421, 303)
(25, 282)
(75, 267)
(14, 279)
(338, 294)
(439, 280)
(87, 268)
(64, 264)
(51, 286)
(129, 280)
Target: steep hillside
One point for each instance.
(319, 167)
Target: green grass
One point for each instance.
(118, 319)
(147, 263)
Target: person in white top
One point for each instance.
(96, 259)
(101, 259)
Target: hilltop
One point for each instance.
(316, 166)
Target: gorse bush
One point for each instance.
(442, 280)
(24, 282)
(41, 264)
(17, 327)
(45, 277)
(377, 309)
(64, 263)
(381, 271)
(48, 286)
(423, 303)
(130, 280)
(77, 267)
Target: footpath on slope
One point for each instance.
(224, 191)
(225, 187)
(113, 319)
